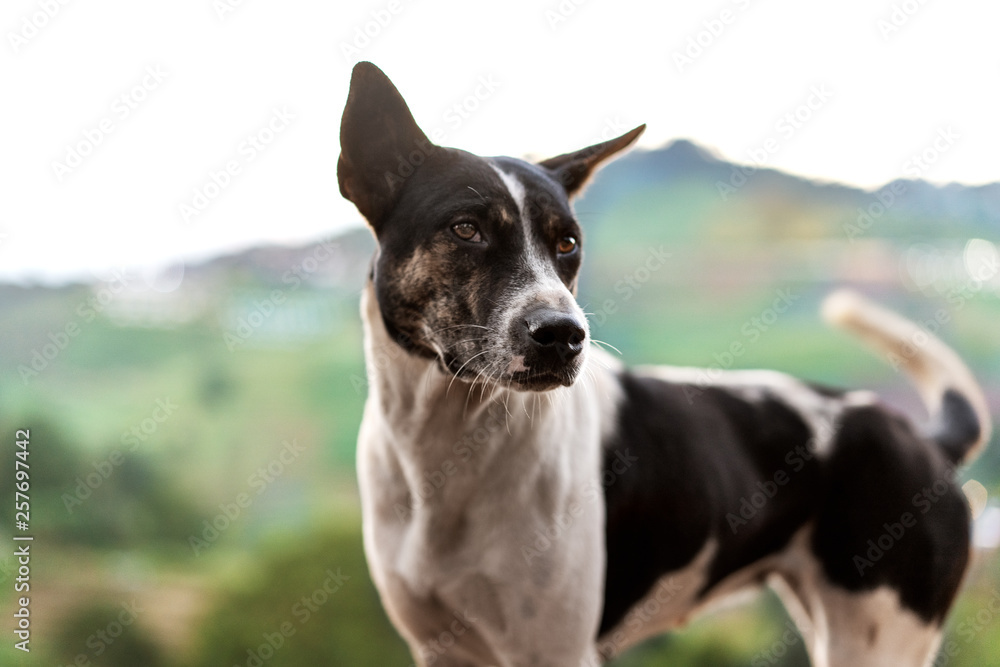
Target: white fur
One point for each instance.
(843, 629)
(462, 548)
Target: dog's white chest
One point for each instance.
(487, 525)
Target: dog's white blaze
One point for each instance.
(518, 194)
(545, 286)
(514, 187)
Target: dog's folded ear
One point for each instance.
(573, 170)
(380, 143)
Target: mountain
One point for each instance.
(978, 206)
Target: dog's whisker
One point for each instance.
(468, 340)
(485, 200)
(486, 383)
(494, 379)
(589, 380)
(472, 386)
(601, 363)
(506, 405)
(462, 367)
(485, 374)
(491, 371)
(459, 326)
(605, 345)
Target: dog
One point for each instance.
(527, 500)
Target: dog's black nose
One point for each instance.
(556, 332)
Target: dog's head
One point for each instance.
(478, 257)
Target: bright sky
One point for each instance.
(117, 112)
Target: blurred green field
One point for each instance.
(130, 537)
(213, 488)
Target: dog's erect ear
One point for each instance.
(380, 143)
(574, 169)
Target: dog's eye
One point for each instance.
(467, 232)
(566, 245)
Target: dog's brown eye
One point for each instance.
(567, 244)
(467, 232)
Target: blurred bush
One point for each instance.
(308, 601)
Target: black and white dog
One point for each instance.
(529, 501)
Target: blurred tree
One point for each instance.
(311, 602)
(107, 635)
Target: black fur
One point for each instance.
(698, 461)
(879, 474)
(956, 428)
(746, 473)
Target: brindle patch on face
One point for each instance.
(458, 301)
(506, 216)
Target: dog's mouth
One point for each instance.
(538, 347)
(512, 372)
(545, 381)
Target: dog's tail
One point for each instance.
(960, 421)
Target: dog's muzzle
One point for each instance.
(552, 341)
(554, 335)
